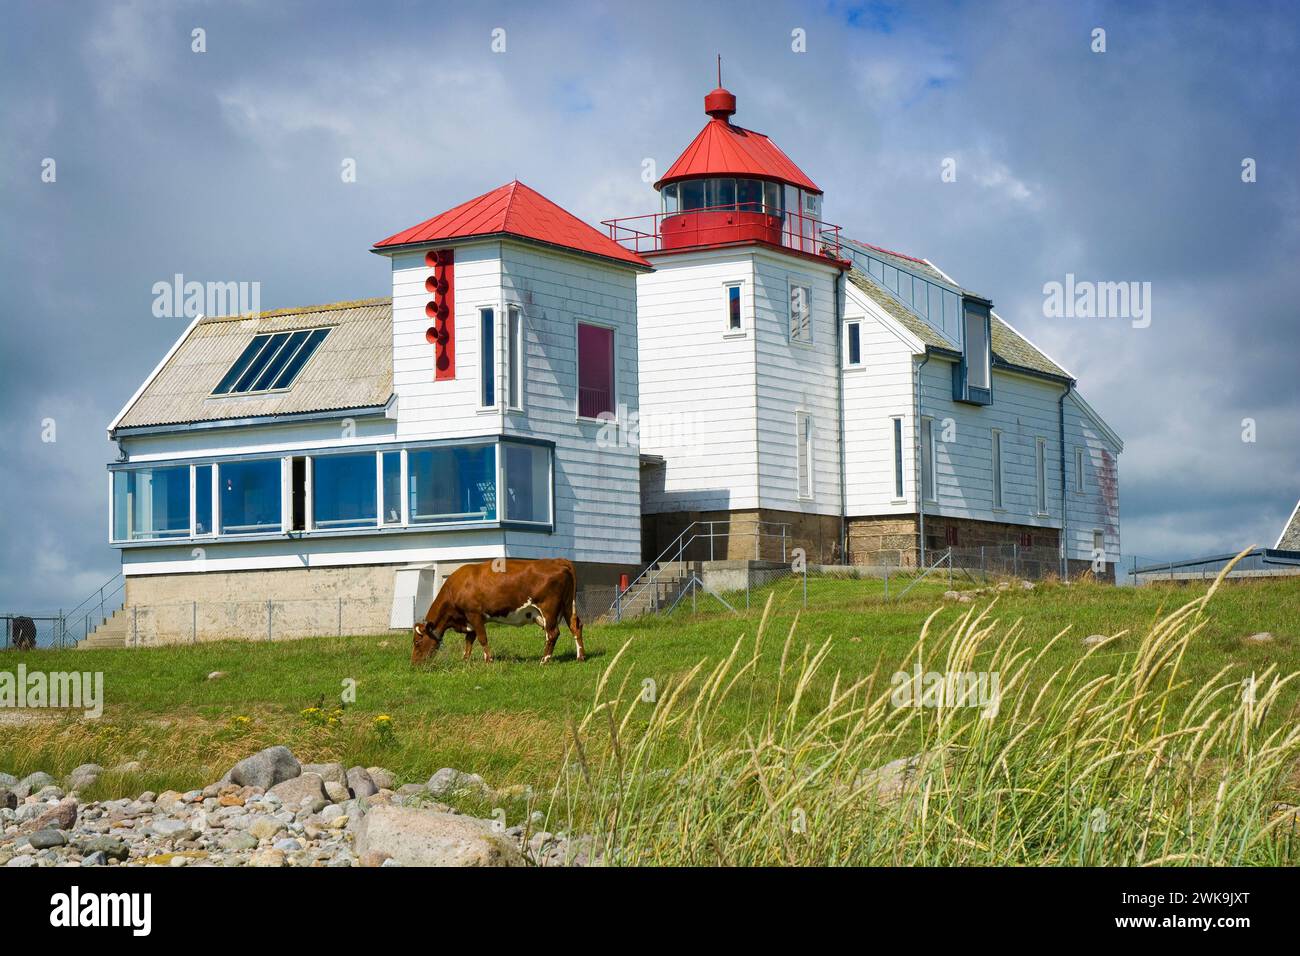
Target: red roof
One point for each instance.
(723, 149)
(516, 210)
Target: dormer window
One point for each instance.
(971, 377)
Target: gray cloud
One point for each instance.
(225, 165)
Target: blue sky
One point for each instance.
(225, 166)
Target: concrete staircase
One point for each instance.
(110, 634)
(666, 581)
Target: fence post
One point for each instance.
(984, 578)
(886, 581)
(194, 622)
(1015, 559)
(340, 617)
(805, 584)
(135, 625)
(268, 620)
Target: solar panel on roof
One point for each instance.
(270, 362)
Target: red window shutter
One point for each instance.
(595, 370)
(442, 310)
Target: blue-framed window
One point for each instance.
(151, 503)
(452, 484)
(527, 473)
(898, 457)
(250, 496)
(343, 491)
(270, 362)
(202, 500)
(853, 344)
(487, 361)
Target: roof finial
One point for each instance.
(719, 70)
(720, 104)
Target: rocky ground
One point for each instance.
(270, 810)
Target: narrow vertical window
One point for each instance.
(997, 468)
(927, 459)
(898, 458)
(734, 323)
(853, 344)
(595, 371)
(800, 313)
(391, 468)
(804, 452)
(1098, 545)
(1078, 470)
(487, 358)
(515, 357)
(1040, 468)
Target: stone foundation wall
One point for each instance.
(750, 535)
(290, 603)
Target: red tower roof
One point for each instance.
(514, 210)
(724, 149)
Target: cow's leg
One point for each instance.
(552, 628)
(469, 644)
(575, 626)
(480, 628)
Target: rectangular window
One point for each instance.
(150, 503)
(250, 496)
(203, 499)
(343, 491)
(527, 482)
(392, 486)
(515, 357)
(595, 371)
(1098, 545)
(804, 452)
(853, 344)
(733, 308)
(270, 362)
(971, 376)
(452, 484)
(487, 358)
(898, 458)
(1078, 470)
(1040, 466)
(800, 313)
(927, 459)
(298, 494)
(997, 468)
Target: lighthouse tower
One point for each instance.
(737, 346)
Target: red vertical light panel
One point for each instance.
(442, 310)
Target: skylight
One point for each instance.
(271, 362)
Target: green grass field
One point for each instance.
(507, 720)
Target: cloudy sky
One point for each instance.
(225, 165)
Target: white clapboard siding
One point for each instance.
(597, 472)
(1096, 508)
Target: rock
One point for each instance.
(410, 789)
(360, 784)
(84, 776)
(171, 828)
(328, 771)
(1263, 637)
(234, 842)
(98, 858)
(34, 782)
(8, 799)
(383, 779)
(337, 792)
(1026, 585)
(266, 768)
(113, 848)
(129, 767)
(147, 797)
(168, 800)
(306, 786)
(216, 675)
(1093, 639)
(267, 858)
(62, 816)
(448, 781)
(46, 794)
(288, 845)
(263, 828)
(414, 837)
(952, 595)
(888, 783)
(23, 860)
(373, 858)
(8, 780)
(44, 839)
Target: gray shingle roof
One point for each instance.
(1289, 540)
(1010, 349)
(352, 368)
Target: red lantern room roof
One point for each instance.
(513, 210)
(724, 149)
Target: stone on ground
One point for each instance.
(266, 768)
(414, 837)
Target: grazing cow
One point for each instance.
(510, 591)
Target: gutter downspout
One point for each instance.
(916, 440)
(1065, 507)
(839, 379)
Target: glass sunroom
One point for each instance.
(481, 483)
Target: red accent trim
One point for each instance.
(442, 309)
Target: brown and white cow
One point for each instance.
(510, 591)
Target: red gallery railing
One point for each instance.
(723, 225)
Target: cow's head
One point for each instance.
(426, 642)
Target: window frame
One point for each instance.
(1040, 478)
(929, 461)
(1079, 484)
(806, 286)
(996, 461)
(489, 396)
(900, 485)
(741, 330)
(270, 337)
(962, 389)
(850, 327)
(611, 416)
(515, 365)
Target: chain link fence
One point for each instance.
(27, 632)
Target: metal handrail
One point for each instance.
(644, 233)
(680, 544)
(98, 593)
(945, 557)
